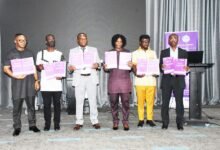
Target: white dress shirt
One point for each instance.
(174, 53)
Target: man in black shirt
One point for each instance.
(24, 87)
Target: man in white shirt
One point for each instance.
(51, 88)
(85, 80)
(172, 83)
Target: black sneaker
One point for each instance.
(151, 123)
(16, 132)
(34, 129)
(140, 123)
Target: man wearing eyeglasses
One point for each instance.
(24, 86)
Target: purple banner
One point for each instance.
(188, 40)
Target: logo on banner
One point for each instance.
(186, 38)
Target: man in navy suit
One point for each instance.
(172, 83)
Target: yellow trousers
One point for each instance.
(145, 93)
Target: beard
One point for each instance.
(173, 44)
(51, 44)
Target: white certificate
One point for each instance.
(111, 59)
(124, 58)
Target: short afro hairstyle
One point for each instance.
(46, 37)
(81, 34)
(19, 34)
(116, 37)
(144, 36)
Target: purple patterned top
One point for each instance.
(119, 81)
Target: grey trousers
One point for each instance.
(17, 110)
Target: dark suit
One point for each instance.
(175, 84)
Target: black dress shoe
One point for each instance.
(126, 127)
(140, 123)
(115, 127)
(179, 126)
(16, 132)
(151, 123)
(46, 128)
(57, 128)
(34, 129)
(164, 126)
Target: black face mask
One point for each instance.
(51, 44)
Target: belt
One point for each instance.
(86, 74)
(174, 75)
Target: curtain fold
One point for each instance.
(188, 15)
(167, 16)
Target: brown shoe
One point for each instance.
(96, 126)
(77, 127)
(126, 127)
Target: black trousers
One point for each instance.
(17, 110)
(48, 97)
(167, 90)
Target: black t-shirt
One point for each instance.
(25, 87)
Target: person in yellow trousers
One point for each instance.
(145, 85)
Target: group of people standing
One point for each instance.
(85, 80)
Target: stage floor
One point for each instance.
(146, 138)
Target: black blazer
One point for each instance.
(166, 78)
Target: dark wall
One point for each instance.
(100, 19)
